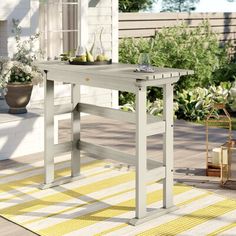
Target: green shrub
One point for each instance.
(126, 97)
(226, 72)
(197, 49)
(153, 93)
(180, 47)
(153, 108)
(195, 104)
(192, 104)
(232, 97)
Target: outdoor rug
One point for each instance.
(103, 202)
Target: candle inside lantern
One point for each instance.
(216, 156)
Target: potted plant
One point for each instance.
(18, 74)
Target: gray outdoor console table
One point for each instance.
(117, 77)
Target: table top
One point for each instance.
(106, 76)
(124, 70)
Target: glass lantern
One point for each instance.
(216, 155)
(228, 167)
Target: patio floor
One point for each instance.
(189, 154)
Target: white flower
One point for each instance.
(37, 77)
(6, 66)
(27, 69)
(18, 64)
(20, 69)
(27, 46)
(8, 74)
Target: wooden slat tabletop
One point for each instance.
(124, 71)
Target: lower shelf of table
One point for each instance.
(213, 170)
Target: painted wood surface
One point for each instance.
(147, 24)
(124, 72)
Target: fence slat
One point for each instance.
(168, 23)
(145, 25)
(175, 16)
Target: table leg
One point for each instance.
(48, 132)
(75, 126)
(141, 152)
(168, 146)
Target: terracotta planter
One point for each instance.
(17, 97)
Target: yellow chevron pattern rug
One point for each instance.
(103, 202)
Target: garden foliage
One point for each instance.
(135, 6)
(196, 103)
(191, 104)
(181, 47)
(196, 49)
(153, 108)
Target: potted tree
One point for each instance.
(18, 75)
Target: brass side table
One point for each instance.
(228, 166)
(213, 167)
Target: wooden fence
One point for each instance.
(146, 24)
